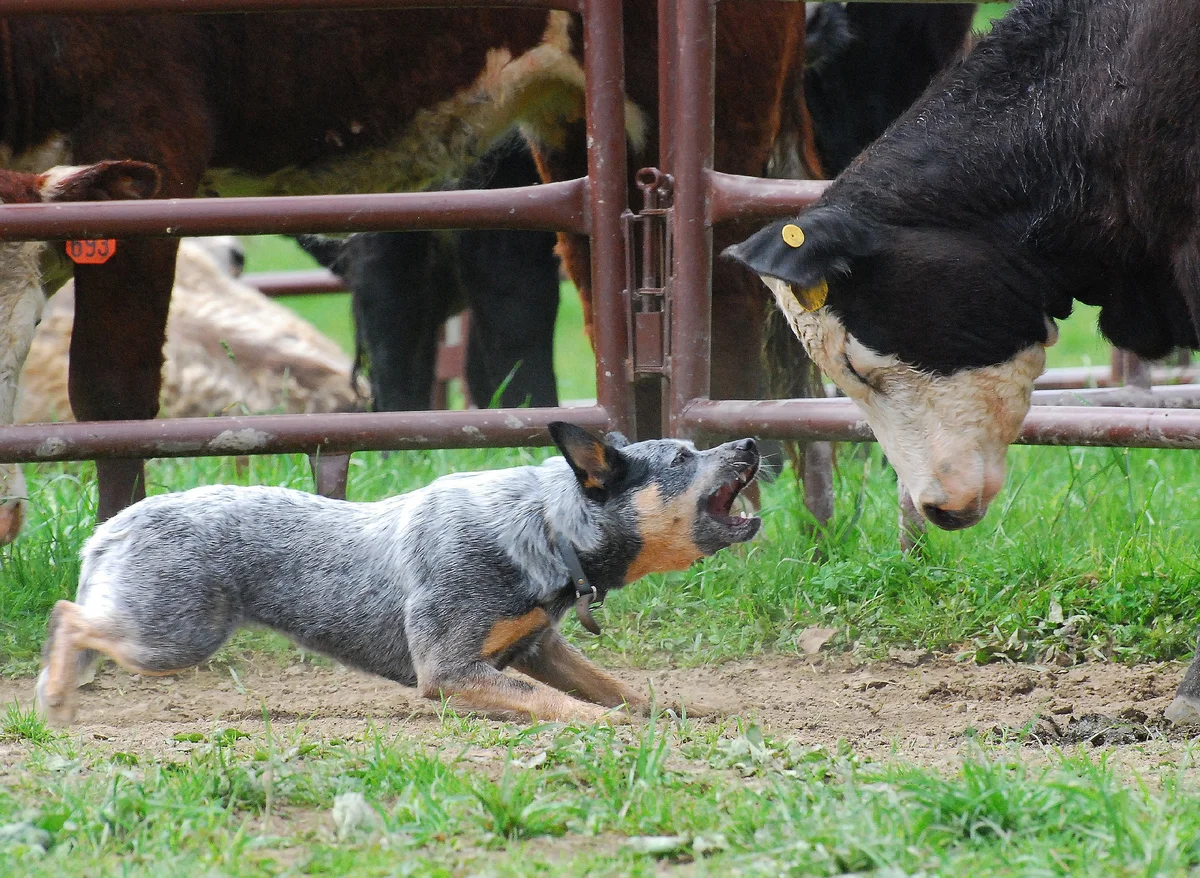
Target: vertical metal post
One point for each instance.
(667, 50)
(331, 472)
(604, 71)
(691, 314)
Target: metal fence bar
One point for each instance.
(734, 196)
(839, 420)
(553, 207)
(294, 283)
(1101, 376)
(143, 7)
(693, 131)
(283, 434)
(604, 71)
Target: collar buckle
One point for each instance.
(586, 594)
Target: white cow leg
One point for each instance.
(21, 301)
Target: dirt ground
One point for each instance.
(924, 709)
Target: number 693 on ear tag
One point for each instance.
(91, 252)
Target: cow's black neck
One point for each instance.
(1008, 178)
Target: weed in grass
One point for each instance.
(25, 725)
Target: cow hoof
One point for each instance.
(1184, 711)
(12, 517)
(12, 502)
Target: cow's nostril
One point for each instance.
(949, 519)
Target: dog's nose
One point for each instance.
(749, 446)
(951, 519)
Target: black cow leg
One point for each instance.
(399, 302)
(510, 279)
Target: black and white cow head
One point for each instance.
(936, 334)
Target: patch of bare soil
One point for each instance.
(926, 710)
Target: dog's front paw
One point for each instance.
(678, 707)
(57, 707)
(699, 709)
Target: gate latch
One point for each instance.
(647, 274)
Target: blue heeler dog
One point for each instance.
(440, 588)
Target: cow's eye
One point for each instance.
(855, 373)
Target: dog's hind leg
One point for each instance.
(556, 663)
(61, 655)
(75, 637)
(480, 686)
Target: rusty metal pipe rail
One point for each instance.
(317, 281)
(839, 420)
(551, 207)
(287, 434)
(734, 196)
(142, 7)
(1167, 396)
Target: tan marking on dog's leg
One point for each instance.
(56, 688)
(506, 632)
(73, 633)
(666, 532)
(482, 687)
(556, 663)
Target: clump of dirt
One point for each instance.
(1130, 726)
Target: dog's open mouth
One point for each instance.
(719, 504)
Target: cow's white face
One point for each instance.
(946, 435)
(936, 333)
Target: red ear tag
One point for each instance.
(94, 252)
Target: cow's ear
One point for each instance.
(103, 181)
(808, 251)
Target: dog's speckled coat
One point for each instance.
(440, 588)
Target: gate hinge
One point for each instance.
(647, 275)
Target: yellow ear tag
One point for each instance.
(793, 235)
(812, 298)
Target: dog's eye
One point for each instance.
(683, 455)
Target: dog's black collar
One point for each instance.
(586, 594)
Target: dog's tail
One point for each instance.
(326, 250)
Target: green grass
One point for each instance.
(987, 12)
(568, 801)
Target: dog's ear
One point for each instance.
(597, 463)
(616, 440)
